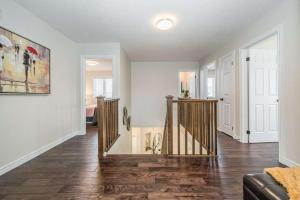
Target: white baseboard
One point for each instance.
(288, 162)
(81, 133)
(16, 163)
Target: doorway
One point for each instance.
(208, 80)
(262, 68)
(227, 94)
(188, 84)
(97, 79)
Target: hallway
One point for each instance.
(72, 171)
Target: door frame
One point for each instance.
(196, 71)
(83, 58)
(218, 91)
(243, 77)
(203, 80)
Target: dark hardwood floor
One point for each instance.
(72, 171)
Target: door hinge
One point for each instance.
(232, 128)
(248, 132)
(248, 59)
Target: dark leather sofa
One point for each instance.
(262, 187)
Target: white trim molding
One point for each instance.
(219, 68)
(197, 72)
(16, 163)
(244, 90)
(115, 77)
(288, 162)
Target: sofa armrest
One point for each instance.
(263, 187)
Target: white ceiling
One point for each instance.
(201, 25)
(103, 65)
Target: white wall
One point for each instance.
(287, 14)
(30, 122)
(124, 143)
(151, 82)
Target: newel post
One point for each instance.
(170, 123)
(100, 119)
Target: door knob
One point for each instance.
(221, 99)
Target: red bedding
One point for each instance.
(90, 110)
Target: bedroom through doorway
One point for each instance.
(98, 82)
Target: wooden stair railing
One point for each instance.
(198, 120)
(164, 148)
(107, 118)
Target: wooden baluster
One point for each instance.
(100, 119)
(105, 122)
(178, 126)
(202, 124)
(216, 132)
(117, 117)
(185, 128)
(113, 119)
(200, 127)
(107, 125)
(213, 128)
(110, 123)
(112, 114)
(207, 111)
(209, 127)
(170, 124)
(205, 126)
(196, 122)
(192, 127)
(164, 147)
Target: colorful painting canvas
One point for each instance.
(24, 65)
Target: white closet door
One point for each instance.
(227, 95)
(263, 95)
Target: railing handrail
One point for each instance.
(110, 99)
(194, 100)
(164, 148)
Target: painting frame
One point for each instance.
(4, 93)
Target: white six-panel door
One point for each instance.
(263, 95)
(227, 91)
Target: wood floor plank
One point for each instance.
(72, 171)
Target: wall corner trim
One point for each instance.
(16, 163)
(288, 162)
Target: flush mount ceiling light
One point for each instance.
(164, 24)
(91, 62)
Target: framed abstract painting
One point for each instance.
(24, 65)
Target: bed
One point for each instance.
(91, 114)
